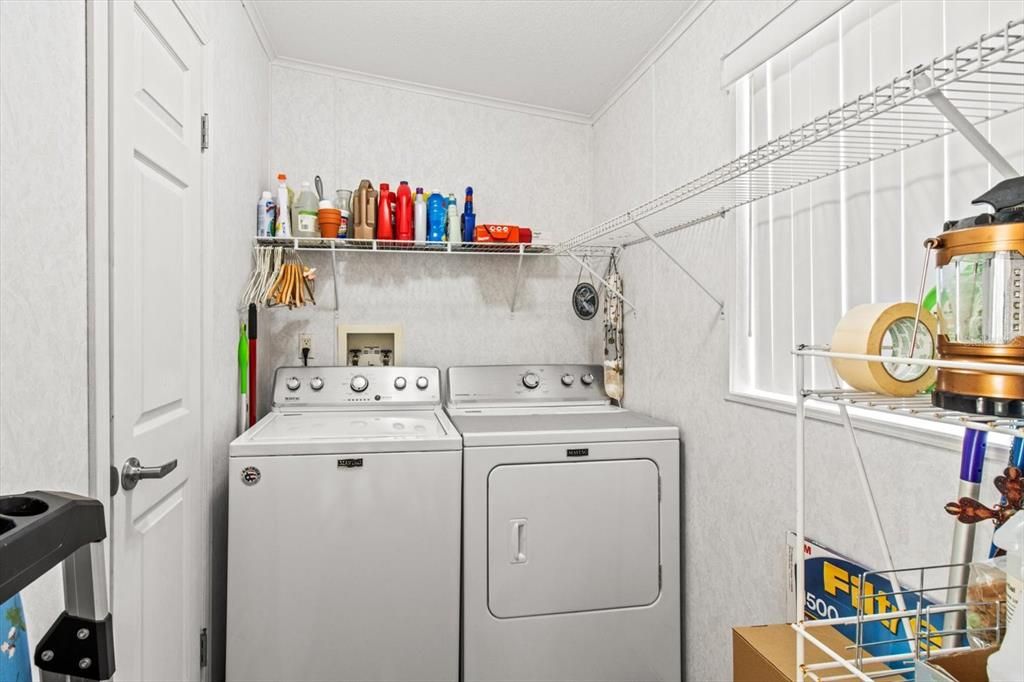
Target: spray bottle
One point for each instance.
(420, 220)
(265, 216)
(454, 229)
(468, 217)
(283, 223)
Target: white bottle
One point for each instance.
(265, 216)
(283, 208)
(305, 211)
(1007, 664)
(419, 219)
(454, 229)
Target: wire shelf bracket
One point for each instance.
(964, 126)
(654, 239)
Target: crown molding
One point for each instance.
(432, 91)
(678, 29)
(259, 28)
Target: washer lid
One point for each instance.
(313, 432)
(498, 427)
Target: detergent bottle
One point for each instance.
(384, 227)
(435, 217)
(454, 229)
(420, 220)
(304, 213)
(265, 216)
(468, 217)
(283, 228)
(403, 212)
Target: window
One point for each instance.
(806, 256)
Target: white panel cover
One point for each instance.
(344, 572)
(571, 537)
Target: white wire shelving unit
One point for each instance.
(839, 665)
(955, 92)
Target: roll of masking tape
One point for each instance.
(885, 329)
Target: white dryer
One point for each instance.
(571, 535)
(343, 522)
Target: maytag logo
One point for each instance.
(577, 452)
(350, 463)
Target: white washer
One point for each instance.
(570, 529)
(344, 517)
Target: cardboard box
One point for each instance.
(962, 666)
(767, 653)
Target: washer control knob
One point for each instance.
(400, 383)
(359, 383)
(293, 383)
(422, 383)
(316, 383)
(531, 380)
(568, 379)
(587, 379)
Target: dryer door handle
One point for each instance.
(517, 541)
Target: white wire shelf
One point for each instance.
(918, 406)
(983, 80)
(395, 246)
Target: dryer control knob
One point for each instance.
(293, 383)
(316, 383)
(531, 380)
(568, 379)
(359, 383)
(587, 379)
(422, 383)
(400, 383)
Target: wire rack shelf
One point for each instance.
(395, 246)
(980, 81)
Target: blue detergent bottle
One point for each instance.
(436, 215)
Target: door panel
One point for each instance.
(155, 241)
(570, 537)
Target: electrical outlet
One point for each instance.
(306, 341)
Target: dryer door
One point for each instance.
(575, 536)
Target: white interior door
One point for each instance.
(155, 284)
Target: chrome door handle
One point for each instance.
(133, 472)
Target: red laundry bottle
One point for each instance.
(403, 213)
(384, 227)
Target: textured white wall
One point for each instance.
(43, 384)
(237, 99)
(524, 169)
(673, 124)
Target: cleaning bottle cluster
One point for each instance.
(366, 213)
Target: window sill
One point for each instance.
(942, 436)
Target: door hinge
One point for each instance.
(204, 133)
(202, 648)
